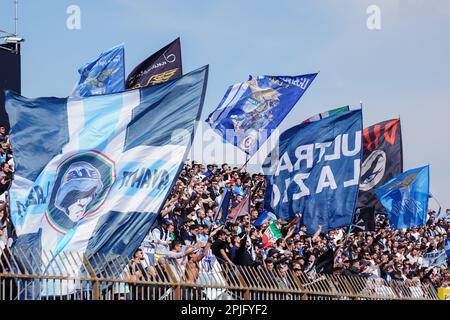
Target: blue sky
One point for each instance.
(402, 69)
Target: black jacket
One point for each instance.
(243, 257)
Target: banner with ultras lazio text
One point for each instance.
(315, 170)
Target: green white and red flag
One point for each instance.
(271, 235)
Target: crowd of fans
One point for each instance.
(6, 176)
(188, 219)
(188, 230)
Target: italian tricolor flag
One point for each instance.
(323, 115)
(271, 235)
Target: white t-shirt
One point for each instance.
(164, 238)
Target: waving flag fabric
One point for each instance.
(93, 173)
(382, 159)
(222, 211)
(162, 66)
(270, 235)
(104, 75)
(242, 209)
(264, 217)
(316, 172)
(328, 113)
(405, 198)
(250, 111)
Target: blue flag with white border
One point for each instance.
(250, 111)
(104, 75)
(315, 171)
(405, 198)
(92, 174)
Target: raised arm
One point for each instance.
(290, 233)
(204, 252)
(316, 235)
(294, 221)
(169, 206)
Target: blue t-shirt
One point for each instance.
(238, 190)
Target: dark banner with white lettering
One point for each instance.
(382, 161)
(9, 77)
(316, 172)
(164, 65)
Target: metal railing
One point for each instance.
(30, 275)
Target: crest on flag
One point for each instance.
(405, 198)
(81, 185)
(103, 75)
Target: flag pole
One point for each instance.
(16, 17)
(247, 159)
(440, 207)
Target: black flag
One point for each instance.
(364, 219)
(382, 160)
(164, 65)
(325, 262)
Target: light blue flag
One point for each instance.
(92, 174)
(405, 198)
(315, 171)
(250, 111)
(447, 248)
(104, 75)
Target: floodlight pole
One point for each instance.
(16, 17)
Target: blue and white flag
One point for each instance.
(434, 259)
(405, 198)
(104, 75)
(92, 174)
(265, 217)
(250, 111)
(315, 172)
(224, 206)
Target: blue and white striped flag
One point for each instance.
(92, 174)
